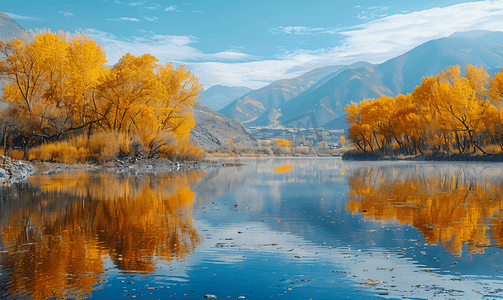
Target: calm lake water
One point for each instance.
(287, 228)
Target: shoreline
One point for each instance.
(441, 157)
(17, 170)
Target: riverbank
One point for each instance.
(373, 156)
(15, 170)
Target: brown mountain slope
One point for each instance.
(255, 103)
(214, 130)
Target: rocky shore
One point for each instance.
(14, 170)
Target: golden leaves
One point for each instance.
(283, 169)
(447, 111)
(62, 83)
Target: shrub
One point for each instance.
(60, 151)
(283, 143)
(181, 151)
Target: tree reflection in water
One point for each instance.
(58, 231)
(449, 206)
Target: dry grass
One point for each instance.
(15, 154)
(182, 151)
(100, 147)
(107, 146)
(495, 149)
(60, 151)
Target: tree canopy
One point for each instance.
(58, 83)
(447, 112)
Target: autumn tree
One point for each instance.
(141, 96)
(23, 67)
(59, 83)
(86, 61)
(447, 111)
(496, 98)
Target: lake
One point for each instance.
(287, 228)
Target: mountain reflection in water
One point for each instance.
(448, 205)
(58, 231)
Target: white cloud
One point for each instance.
(393, 35)
(164, 47)
(299, 30)
(19, 17)
(374, 41)
(372, 13)
(151, 18)
(66, 14)
(170, 8)
(124, 19)
(136, 3)
(254, 74)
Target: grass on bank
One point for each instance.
(103, 147)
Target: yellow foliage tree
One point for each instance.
(448, 111)
(60, 83)
(86, 64)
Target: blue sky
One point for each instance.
(253, 43)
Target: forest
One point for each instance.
(449, 113)
(66, 104)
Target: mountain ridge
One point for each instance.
(399, 75)
(252, 105)
(219, 96)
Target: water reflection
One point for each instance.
(283, 169)
(326, 227)
(58, 232)
(449, 205)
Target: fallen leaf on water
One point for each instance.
(372, 282)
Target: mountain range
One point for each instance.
(326, 93)
(219, 96)
(255, 103)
